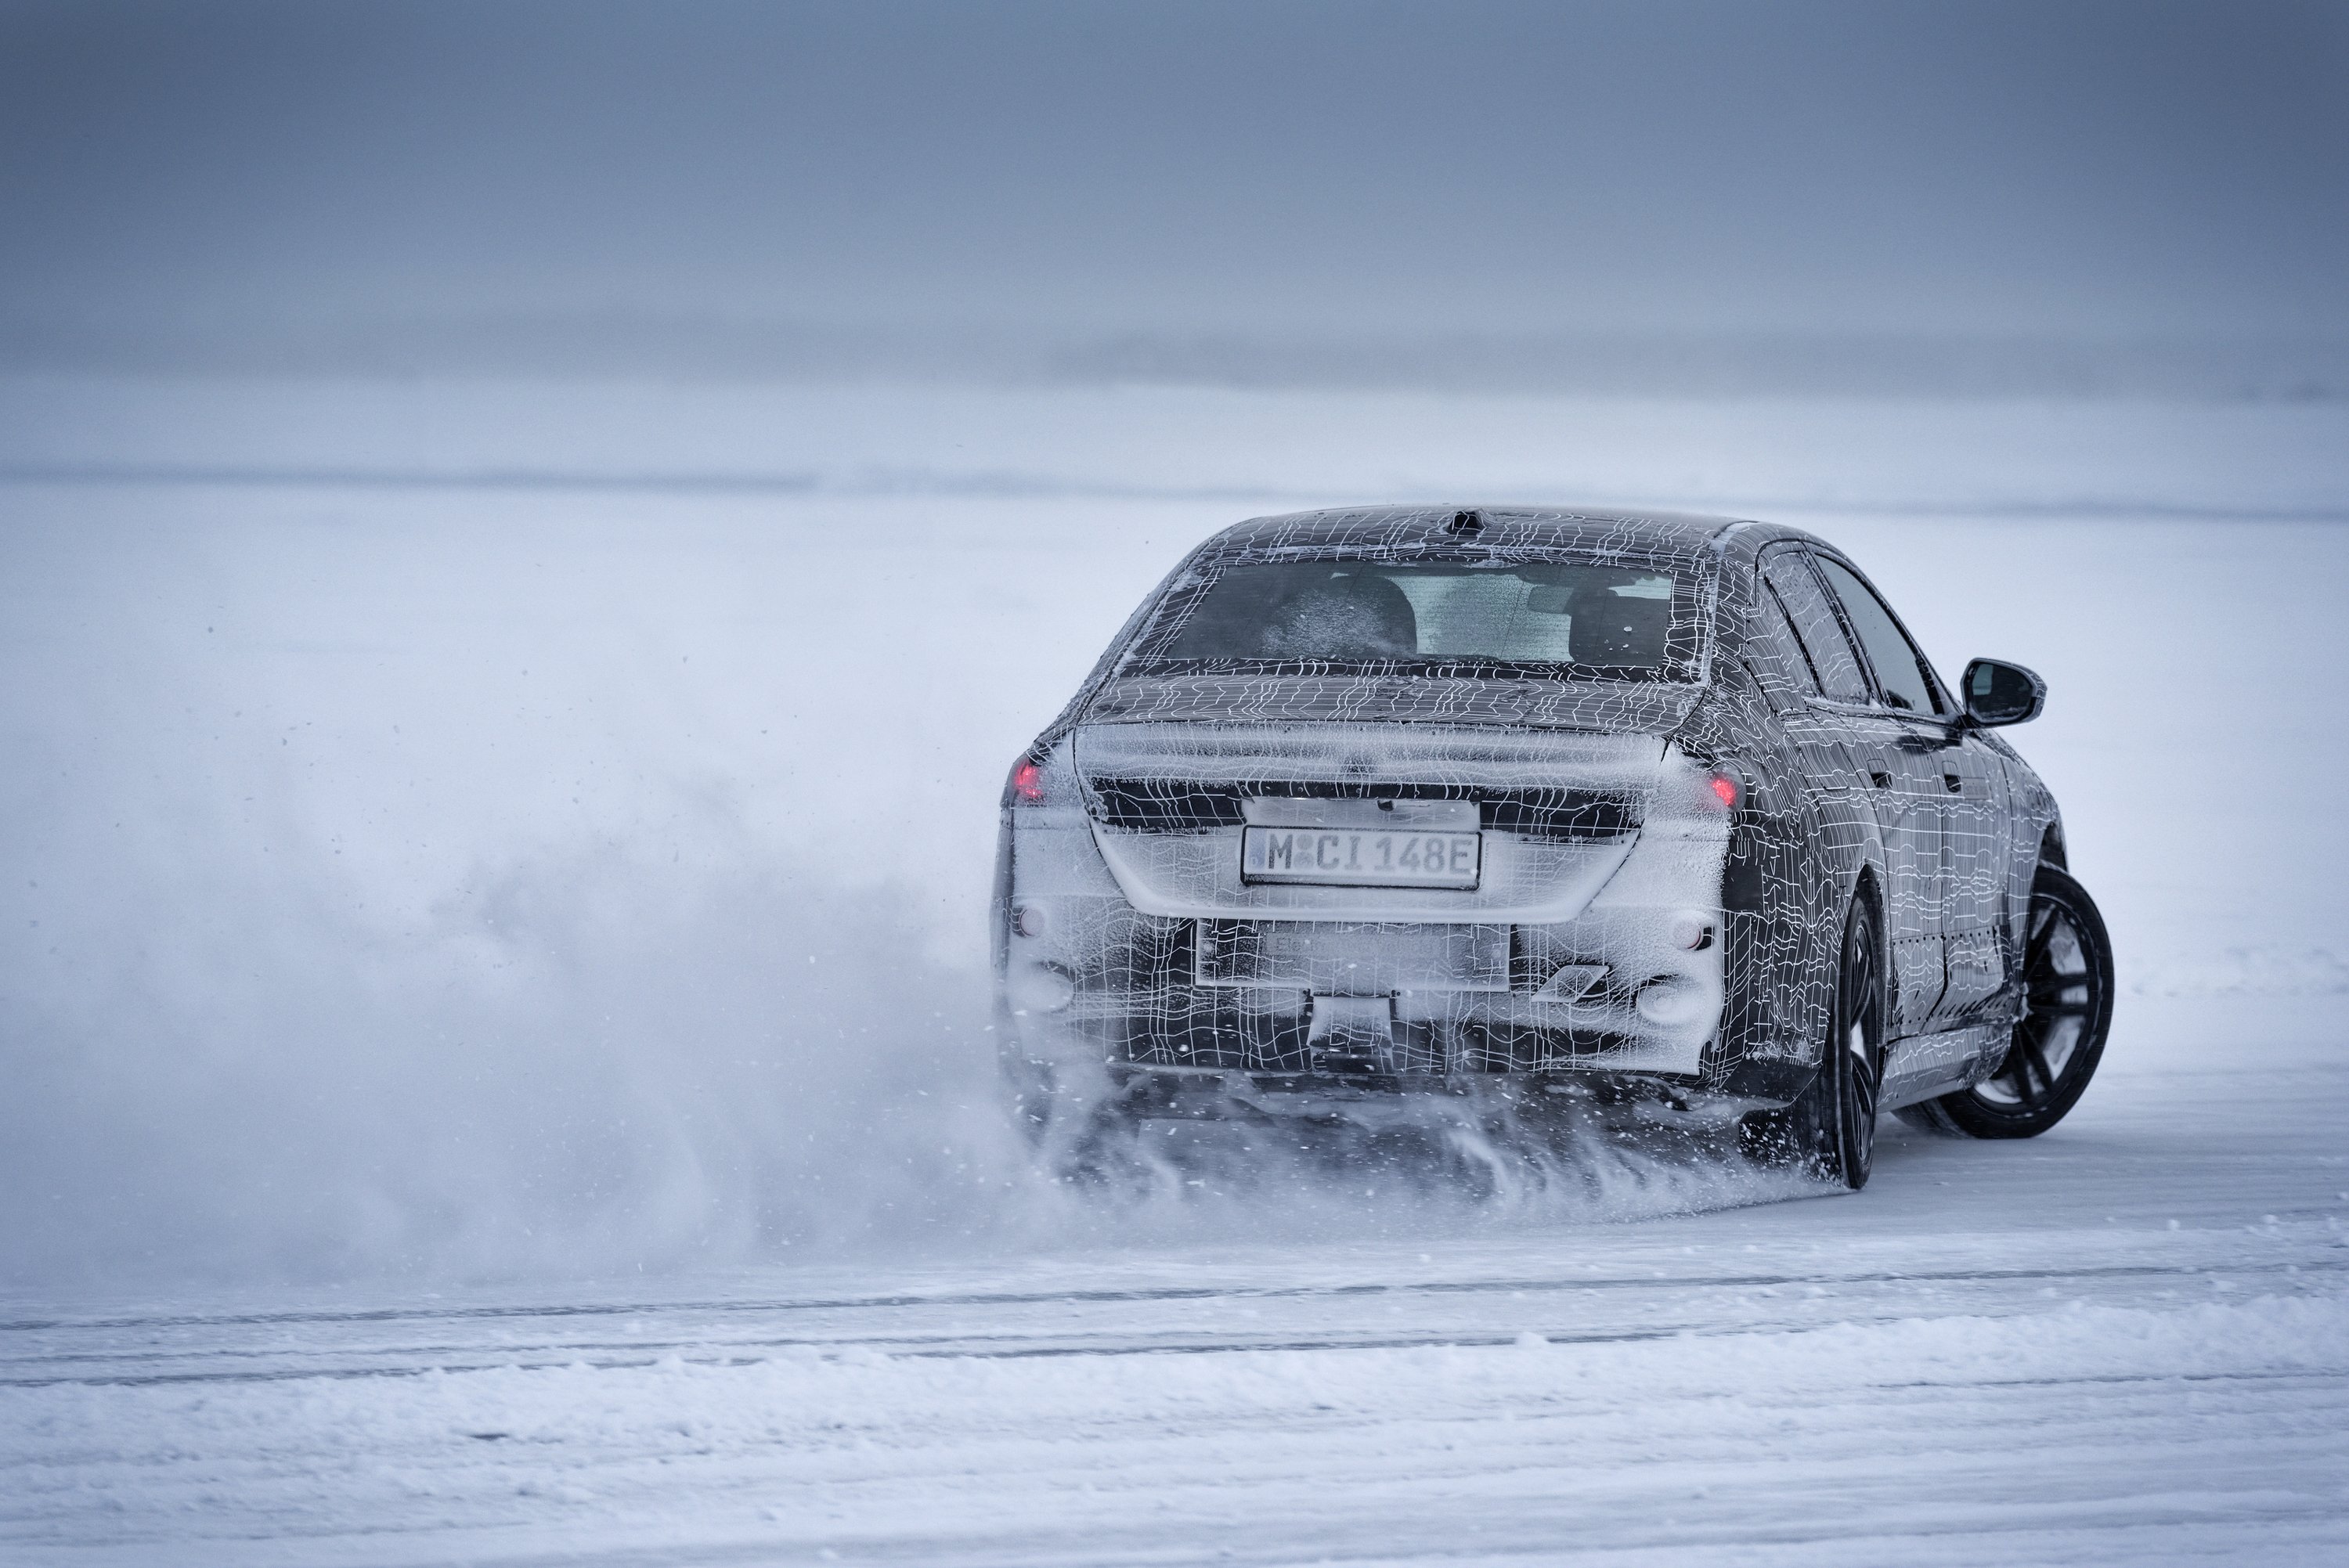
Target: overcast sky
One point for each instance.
(2040, 168)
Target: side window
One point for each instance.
(1900, 669)
(1816, 625)
(1775, 650)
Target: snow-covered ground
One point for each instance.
(487, 1000)
(2128, 1343)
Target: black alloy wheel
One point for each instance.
(1830, 1131)
(2067, 1010)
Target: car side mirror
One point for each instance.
(1999, 693)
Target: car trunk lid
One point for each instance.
(1170, 802)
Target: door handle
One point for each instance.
(1954, 784)
(1880, 779)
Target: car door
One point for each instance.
(1885, 761)
(1941, 757)
(1977, 827)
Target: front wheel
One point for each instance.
(2068, 1009)
(1830, 1131)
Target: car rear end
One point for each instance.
(1350, 846)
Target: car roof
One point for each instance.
(1530, 528)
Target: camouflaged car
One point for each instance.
(1653, 811)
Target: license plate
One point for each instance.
(1350, 857)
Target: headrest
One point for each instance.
(1360, 616)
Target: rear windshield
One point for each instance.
(1478, 618)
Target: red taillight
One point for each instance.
(1028, 783)
(1725, 789)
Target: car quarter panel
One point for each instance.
(1805, 832)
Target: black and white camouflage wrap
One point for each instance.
(1629, 929)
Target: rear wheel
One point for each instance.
(2068, 1010)
(1830, 1131)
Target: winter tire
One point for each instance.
(2068, 1010)
(1830, 1131)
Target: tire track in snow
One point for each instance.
(1680, 1299)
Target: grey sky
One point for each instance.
(2126, 169)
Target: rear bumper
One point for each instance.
(1628, 986)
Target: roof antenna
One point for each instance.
(1467, 523)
